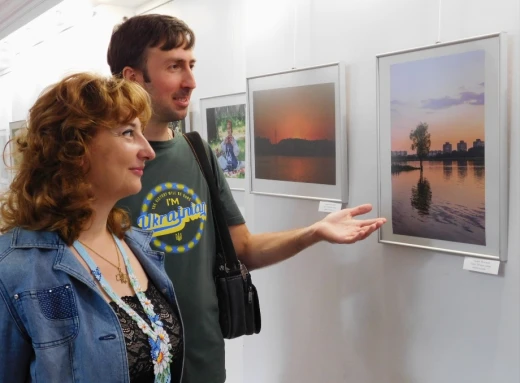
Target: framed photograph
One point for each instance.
(443, 174)
(224, 127)
(16, 128)
(181, 126)
(5, 162)
(298, 137)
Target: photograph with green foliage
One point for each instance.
(226, 129)
(178, 127)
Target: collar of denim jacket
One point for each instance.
(142, 239)
(23, 238)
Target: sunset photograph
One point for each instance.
(294, 134)
(438, 147)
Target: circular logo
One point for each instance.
(174, 211)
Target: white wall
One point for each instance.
(371, 313)
(364, 313)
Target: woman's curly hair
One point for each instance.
(50, 191)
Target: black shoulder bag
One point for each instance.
(239, 308)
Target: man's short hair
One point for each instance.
(131, 39)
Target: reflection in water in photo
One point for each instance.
(317, 170)
(446, 201)
(421, 198)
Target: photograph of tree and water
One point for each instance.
(438, 147)
(294, 134)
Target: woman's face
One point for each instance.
(117, 158)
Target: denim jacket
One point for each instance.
(55, 326)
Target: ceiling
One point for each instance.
(16, 13)
(122, 3)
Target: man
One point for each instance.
(156, 51)
(228, 160)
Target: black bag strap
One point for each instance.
(224, 242)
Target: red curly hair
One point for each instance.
(50, 191)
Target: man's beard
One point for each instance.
(165, 114)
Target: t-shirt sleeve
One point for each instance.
(231, 210)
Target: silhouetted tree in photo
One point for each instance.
(421, 198)
(421, 141)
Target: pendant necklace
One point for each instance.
(120, 276)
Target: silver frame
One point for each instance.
(502, 164)
(237, 184)
(5, 159)
(14, 126)
(187, 123)
(341, 139)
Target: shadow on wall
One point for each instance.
(350, 322)
(333, 332)
(436, 325)
(398, 294)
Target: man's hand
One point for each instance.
(341, 227)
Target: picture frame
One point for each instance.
(443, 147)
(5, 162)
(15, 129)
(221, 115)
(298, 136)
(181, 126)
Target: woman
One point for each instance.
(82, 295)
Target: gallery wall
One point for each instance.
(363, 313)
(369, 312)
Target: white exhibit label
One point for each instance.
(329, 207)
(481, 265)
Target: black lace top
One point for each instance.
(137, 346)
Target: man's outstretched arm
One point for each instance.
(260, 250)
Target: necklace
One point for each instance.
(157, 336)
(120, 276)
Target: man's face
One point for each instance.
(229, 130)
(171, 82)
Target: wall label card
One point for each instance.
(329, 207)
(481, 265)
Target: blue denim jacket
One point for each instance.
(55, 326)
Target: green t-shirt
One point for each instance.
(175, 203)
